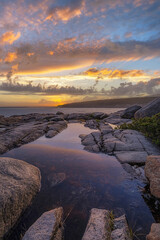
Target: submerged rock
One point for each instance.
(152, 172)
(154, 233)
(56, 178)
(129, 112)
(49, 226)
(19, 183)
(149, 110)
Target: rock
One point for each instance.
(102, 225)
(59, 113)
(92, 124)
(135, 171)
(82, 136)
(19, 183)
(99, 115)
(129, 112)
(121, 229)
(105, 128)
(154, 233)
(93, 148)
(51, 133)
(2, 130)
(132, 157)
(152, 172)
(56, 178)
(88, 140)
(49, 226)
(149, 110)
(98, 227)
(57, 118)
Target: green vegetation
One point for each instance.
(149, 126)
(111, 221)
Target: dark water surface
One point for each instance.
(9, 111)
(92, 181)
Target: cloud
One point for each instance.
(9, 37)
(74, 55)
(51, 53)
(10, 57)
(65, 12)
(111, 73)
(30, 54)
(14, 86)
(151, 87)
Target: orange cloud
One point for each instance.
(110, 73)
(51, 53)
(30, 54)
(11, 57)
(9, 37)
(66, 13)
(15, 67)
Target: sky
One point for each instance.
(54, 52)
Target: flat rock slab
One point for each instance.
(132, 157)
(47, 227)
(152, 172)
(98, 226)
(19, 183)
(154, 233)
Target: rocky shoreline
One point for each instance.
(130, 148)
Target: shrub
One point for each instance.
(149, 126)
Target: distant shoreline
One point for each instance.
(110, 103)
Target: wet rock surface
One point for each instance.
(19, 183)
(49, 226)
(152, 172)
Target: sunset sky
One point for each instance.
(59, 51)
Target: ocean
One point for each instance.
(9, 111)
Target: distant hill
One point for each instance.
(110, 103)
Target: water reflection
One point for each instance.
(87, 180)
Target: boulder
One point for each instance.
(152, 172)
(149, 110)
(51, 133)
(98, 227)
(88, 140)
(19, 183)
(154, 233)
(99, 115)
(59, 113)
(47, 227)
(129, 112)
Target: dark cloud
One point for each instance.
(151, 87)
(14, 86)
